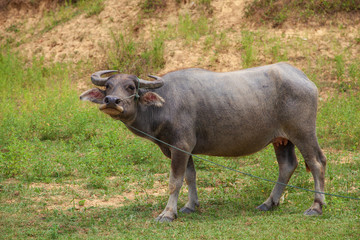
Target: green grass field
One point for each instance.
(68, 171)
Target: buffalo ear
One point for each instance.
(94, 95)
(151, 98)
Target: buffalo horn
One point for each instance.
(96, 78)
(151, 84)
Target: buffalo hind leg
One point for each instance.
(179, 162)
(286, 158)
(315, 161)
(190, 178)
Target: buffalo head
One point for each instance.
(122, 94)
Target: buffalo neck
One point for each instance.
(144, 121)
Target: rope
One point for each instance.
(136, 94)
(244, 173)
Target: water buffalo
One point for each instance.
(220, 114)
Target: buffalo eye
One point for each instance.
(131, 88)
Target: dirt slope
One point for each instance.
(79, 38)
(88, 38)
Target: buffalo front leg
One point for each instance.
(179, 162)
(190, 178)
(286, 158)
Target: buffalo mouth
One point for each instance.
(113, 110)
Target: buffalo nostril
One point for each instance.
(112, 100)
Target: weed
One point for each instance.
(13, 28)
(354, 73)
(248, 51)
(91, 8)
(9, 41)
(136, 58)
(330, 7)
(82, 203)
(216, 42)
(223, 42)
(53, 231)
(190, 29)
(69, 10)
(97, 182)
(209, 42)
(277, 52)
(340, 67)
(268, 10)
(205, 6)
(55, 18)
(138, 24)
(279, 11)
(150, 6)
(205, 2)
(280, 17)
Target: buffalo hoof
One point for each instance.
(186, 210)
(263, 207)
(166, 216)
(313, 212)
(164, 219)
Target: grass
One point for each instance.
(337, 117)
(47, 137)
(69, 171)
(38, 113)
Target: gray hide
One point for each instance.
(223, 114)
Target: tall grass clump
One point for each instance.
(206, 3)
(91, 8)
(278, 11)
(247, 48)
(278, 52)
(267, 11)
(133, 57)
(192, 29)
(340, 67)
(67, 10)
(150, 6)
(188, 28)
(354, 73)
